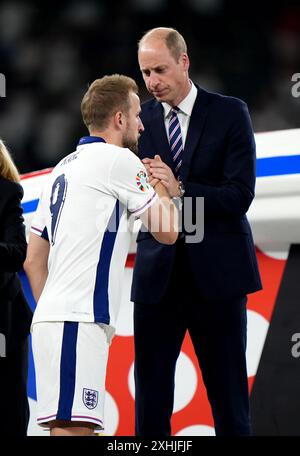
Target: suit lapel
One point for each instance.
(197, 122)
(159, 135)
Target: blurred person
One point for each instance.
(15, 314)
(207, 149)
(77, 251)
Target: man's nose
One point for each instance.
(153, 81)
(141, 127)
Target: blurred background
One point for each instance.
(50, 52)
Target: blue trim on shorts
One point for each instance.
(67, 371)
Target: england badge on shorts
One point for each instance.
(90, 398)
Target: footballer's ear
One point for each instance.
(119, 119)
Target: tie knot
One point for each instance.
(175, 110)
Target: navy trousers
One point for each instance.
(218, 332)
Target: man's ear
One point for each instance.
(119, 119)
(185, 61)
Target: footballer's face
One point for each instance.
(134, 126)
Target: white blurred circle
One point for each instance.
(131, 384)
(281, 252)
(111, 415)
(196, 429)
(185, 382)
(124, 326)
(257, 328)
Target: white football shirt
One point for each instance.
(84, 212)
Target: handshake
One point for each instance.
(161, 177)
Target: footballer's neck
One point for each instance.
(110, 136)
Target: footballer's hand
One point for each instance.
(152, 181)
(159, 170)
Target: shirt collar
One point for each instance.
(186, 105)
(90, 139)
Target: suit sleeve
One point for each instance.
(235, 192)
(13, 241)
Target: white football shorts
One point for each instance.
(70, 361)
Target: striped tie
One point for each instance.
(175, 138)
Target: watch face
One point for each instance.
(181, 189)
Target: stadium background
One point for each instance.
(50, 53)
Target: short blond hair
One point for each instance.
(104, 98)
(8, 169)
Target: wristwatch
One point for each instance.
(181, 189)
(178, 199)
(178, 202)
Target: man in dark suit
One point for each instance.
(203, 146)
(15, 314)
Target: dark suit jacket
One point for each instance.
(219, 165)
(15, 314)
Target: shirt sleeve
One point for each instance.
(129, 181)
(38, 224)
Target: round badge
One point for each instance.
(141, 181)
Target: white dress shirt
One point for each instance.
(184, 113)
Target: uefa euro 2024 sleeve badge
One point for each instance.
(90, 398)
(142, 181)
